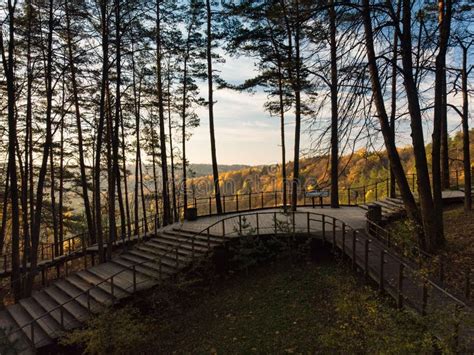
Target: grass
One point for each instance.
(279, 307)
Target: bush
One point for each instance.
(117, 331)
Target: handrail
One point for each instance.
(87, 292)
(406, 265)
(324, 220)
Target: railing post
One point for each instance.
(275, 222)
(160, 271)
(61, 315)
(424, 298)
(276, 199)
(134, 268)
(177, 258)
(343, 240)
(223, 228)
(308, 222)
(112, 286)
(88, 300)
(293, 222)
(258, 223)
(261, 198)
(32, 332)
(323, 227)
(240, 224)
(382, 262)
(223, 202)
(210, 205)
(400, 286)
(376, 192)
(237, 202)
(250, 201)
(366, 260)
(333, 233)
(354, 242)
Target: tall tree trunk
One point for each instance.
(393, 105)
(3, 227)
(125, 176)
(334, 109)
(118, 105)
(111, 178)
(444, 19)
(35, 237)
(28, 173)
(61, 171)
(183, 131)
(137, 144)
(430, 222)
(395, 162)
(155, 175)
(80, 140)
(282, 136)
(465, 134)
(215, 169)
(54, 215)
(170, 132)
(297, 89)
(100, 129)
(161, 113)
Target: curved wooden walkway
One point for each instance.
(36, 321)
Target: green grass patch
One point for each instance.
(279, 307)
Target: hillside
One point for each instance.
(362, 167)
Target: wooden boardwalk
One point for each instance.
(37, 321)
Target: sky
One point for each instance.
(247, 134)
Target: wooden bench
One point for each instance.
(317, 193)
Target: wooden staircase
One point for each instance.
(391, 207)
(35, 322)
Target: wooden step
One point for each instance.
(168, 259)
(187, 240)
(106, 286)
(44, 319)
(36, 336)
(176, 243)
(122, 276)
(189, 233)
(148, 261)
(50, 305)
(78, 311)
(111, 268)
(101, 296)
(79, 296)
(18, 340)
(158, 253)
(150, 270)
(163, 247)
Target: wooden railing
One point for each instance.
(435, 266)
(76, 246)
(401, 280)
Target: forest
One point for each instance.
(99, 99)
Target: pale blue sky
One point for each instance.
(247, 134)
